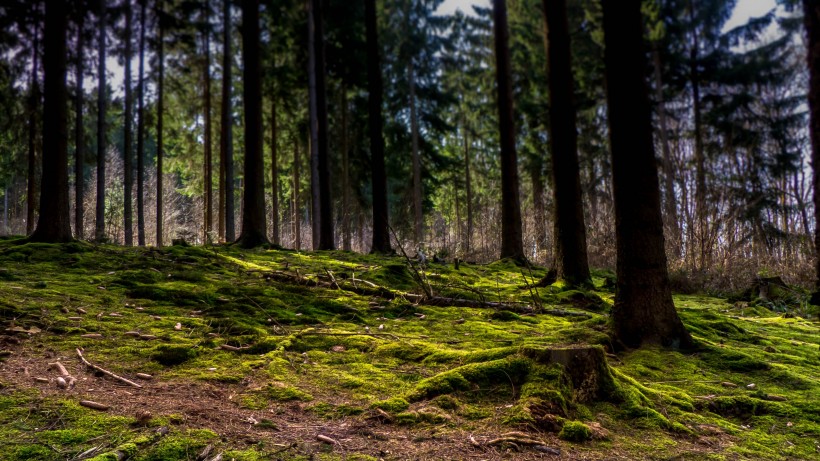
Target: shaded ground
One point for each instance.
(255, 354)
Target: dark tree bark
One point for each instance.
(570, 231)
(345, 172)
(469, 192)
(327, 240)
(34, 105)
(128, 176)
(313, 142)
(160, 115)
(79, 138)
(670, 204)
(643, 312)
(99, 215)
(700, 170)
(297, 218)
(207, 137)
(253, 209)
(54, 224)
(512, 240)
(226, 194)
(418, 216)
(274, 173)
(381, 235)
(811, 21)
(141, 131)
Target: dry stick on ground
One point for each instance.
(106, 372)
(333, 279)
(94, 405)
(70, 380)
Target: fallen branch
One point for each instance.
(333, 279)
(106, 372)
(94, 405)
(69, 380)
(326, 439)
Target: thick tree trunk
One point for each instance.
(418, 216)
(141, 131)
(381, 236)
(160, 116)
(327, 240)
(643, 311)
(128, 176)
(54, 224)
(811, 18)
(512, 240)
(253, 208)
(226, 140)
(209, 195)
(99, 215)
(274, 160)
(570, 231)
(313, 144)
(79, 138)
(34, 104)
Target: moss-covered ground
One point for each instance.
(253, 366)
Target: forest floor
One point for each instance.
(283, 355)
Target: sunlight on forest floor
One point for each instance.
(261, 355)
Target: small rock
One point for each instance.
(789, 424)
(728, 384)
(337, 348)
(115, 314)
(178, 326)
(751, 386)
(61, 382)
(381, 327)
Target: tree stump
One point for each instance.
(585, 366)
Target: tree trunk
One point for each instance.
(128, 177)
(570, 231)
(253, 207)
(99, 216)
(79, 138)
(141, 131)
(700, 171)
(469, 191)
(811, 18)
(345, 173)
(54, 224)
(381, 236)
(160, 110)
(274, 160)
(34, 104)
(226, 140)
(418, 217)
(313, 145)
(297, 217)
(327, 240)
(670, 204)
(512, 242)
(209, 198)
(643, 311)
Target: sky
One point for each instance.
(744, 10)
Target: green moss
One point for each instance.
(280, 392)
(497, 373)
(170, 355)
(575, 431)
(393, 405)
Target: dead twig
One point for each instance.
(106, 372)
